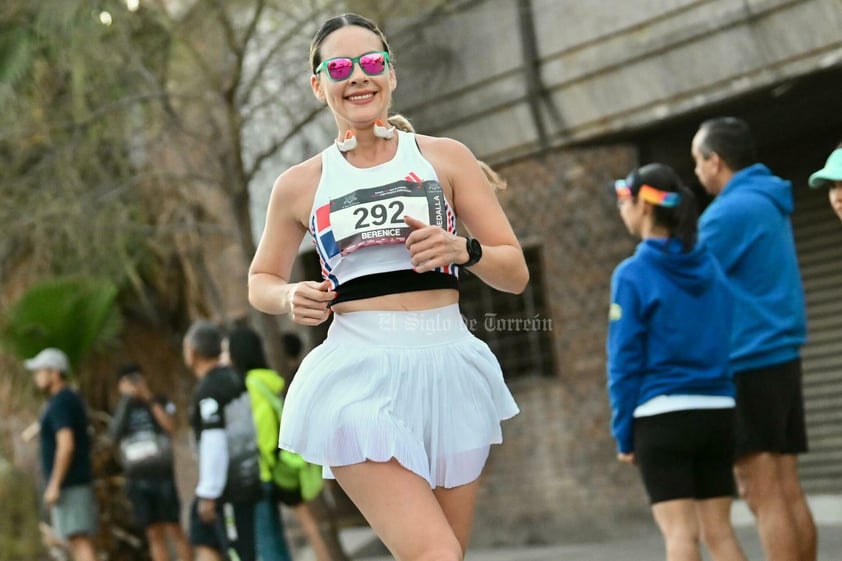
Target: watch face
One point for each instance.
(474, 252)
(475, 249)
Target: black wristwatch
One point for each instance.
(474, 252)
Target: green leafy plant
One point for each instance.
(75, 314)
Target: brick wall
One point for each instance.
(556, 477)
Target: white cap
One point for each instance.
(53, 359)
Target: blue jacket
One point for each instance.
(668, 330)
(747, 228)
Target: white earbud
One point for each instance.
(349, 143)
(382, 131)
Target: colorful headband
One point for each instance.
(659, 198)
(647, 193)
(622, 189)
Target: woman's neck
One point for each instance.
(371, 150)
(651, 230)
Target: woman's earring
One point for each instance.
(382, 131)
(349, 143)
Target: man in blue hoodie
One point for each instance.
(747, 228)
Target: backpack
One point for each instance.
(243, 483)
(295, 479)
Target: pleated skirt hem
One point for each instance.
(414, 386)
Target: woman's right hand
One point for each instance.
(308, 302)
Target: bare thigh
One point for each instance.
(677, 519)
(401, 508)
(758, 478)
(715, 515)
(458, 504)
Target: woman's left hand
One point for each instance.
(431, 247)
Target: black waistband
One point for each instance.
(393, 282)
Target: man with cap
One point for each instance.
(830, 176)
(65, 454)
(143, 426)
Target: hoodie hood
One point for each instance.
(757, 178)
(270, 378)
(693, 271)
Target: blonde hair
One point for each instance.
(498, 183)
(495, 179)
(401, 123)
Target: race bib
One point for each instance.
(374, 216)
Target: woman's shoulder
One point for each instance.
(631, 270)
(294, 190)
(442, 145)
(299, 182)
(449, 157)
(301, 175)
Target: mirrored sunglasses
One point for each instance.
(341, 68)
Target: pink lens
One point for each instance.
(373, 64)
(340, 68)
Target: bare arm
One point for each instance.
(164, 419)
(269, 288)
(160, 414)
(115, 427)
(63, 458)
(502, 265)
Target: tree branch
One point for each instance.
(280, 143)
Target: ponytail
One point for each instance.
(400, 122)
(680, 220)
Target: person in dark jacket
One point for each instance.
(142, 427)
(669, 382)
(221, 516)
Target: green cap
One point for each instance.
(832, 171)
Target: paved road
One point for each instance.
(647, 547)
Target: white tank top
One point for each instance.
(357, 217)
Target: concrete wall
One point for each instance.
(605, 67)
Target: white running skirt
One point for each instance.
(414, 386)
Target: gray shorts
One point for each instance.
(75, 512)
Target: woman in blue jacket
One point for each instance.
(669, 384)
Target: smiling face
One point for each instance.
(360, 99)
